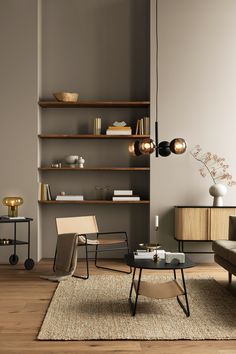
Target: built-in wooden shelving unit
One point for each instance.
(94, 103)
(94, 201)
(94, 169)
(90, 136)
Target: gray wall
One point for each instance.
(197, 76)
(18, 114)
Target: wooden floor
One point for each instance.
(24, 299)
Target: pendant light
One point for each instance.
(148, 146)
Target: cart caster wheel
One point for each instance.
(13, 259)
(29, 264)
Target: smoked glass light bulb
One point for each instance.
(147, 146)
(178, 146)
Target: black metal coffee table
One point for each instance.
(157, 290)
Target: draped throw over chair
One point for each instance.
(85, 225)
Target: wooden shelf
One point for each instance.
(94, 169)
(90, 136)
(92, 103)
(93, 202)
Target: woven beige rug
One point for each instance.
(98, 308)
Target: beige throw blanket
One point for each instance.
(66, 258)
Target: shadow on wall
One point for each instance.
(166, 230)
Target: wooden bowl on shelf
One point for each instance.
(66, 96)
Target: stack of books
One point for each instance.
(143, 254)
(119, 130)
(126, 194)
(143, 126)
(70, 197)
(44, 192)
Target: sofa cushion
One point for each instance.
(223, 248)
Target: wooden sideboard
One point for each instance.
(202, 223)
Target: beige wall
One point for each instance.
(197, 85)
(197, 76)
(18, 114)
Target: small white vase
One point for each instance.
(217, 191)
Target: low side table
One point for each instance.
(158, 290)
(13, 259)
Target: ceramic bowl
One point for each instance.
(71, 159)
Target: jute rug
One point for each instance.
(98, 308)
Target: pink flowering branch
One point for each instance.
(214, 165)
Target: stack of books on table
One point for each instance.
(126, 195)
(70, 197)
(119, 130)
(143, 254)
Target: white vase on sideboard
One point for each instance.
(218, 191)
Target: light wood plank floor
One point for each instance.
(24, 299)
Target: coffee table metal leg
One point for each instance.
(132, 283)
(133, 306)
(184, 308)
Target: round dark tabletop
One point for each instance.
(150, 264)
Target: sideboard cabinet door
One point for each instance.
(219, 227)
(192, 223)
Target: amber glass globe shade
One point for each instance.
(178, 146)
(147, 146)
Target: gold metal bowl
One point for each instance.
(66, 96)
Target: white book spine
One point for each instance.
(118, 132)
(123, 192)
(69, 197)
(117, 198)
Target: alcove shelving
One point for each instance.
(65, 129)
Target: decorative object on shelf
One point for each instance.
(12, 203)
(119, 128)
(56, 165)
(81, 162)
(97, 126)
(103, 192)
(164, 148)
(66, 96)
(72, 160)
(217, 168)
